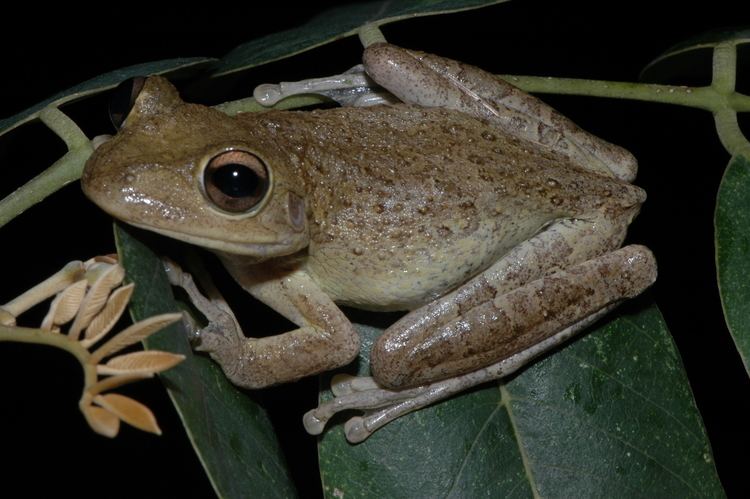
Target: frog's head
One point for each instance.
(189, 172)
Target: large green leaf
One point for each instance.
(610, 415)
(100, 84)
(231, 434)
(732, 239)
(334, 24)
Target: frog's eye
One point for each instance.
(123, 98)
(236, 181)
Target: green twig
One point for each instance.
(725, 116)
(369, 34)
(724, 68)
(706, 98)
(730, 134)
(64, 127)
(62, 172)
(61, 341)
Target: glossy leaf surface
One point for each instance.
(231, 434)
(732, 233)
(609, 415)
(333, 24)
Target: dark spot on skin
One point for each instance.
(444, 231)
(518, 123)
(488, 136)
(477, 160)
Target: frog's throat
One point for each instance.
(260, 251)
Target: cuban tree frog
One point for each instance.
(494, 220)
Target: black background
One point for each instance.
(46, 444)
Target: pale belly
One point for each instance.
(405, 278)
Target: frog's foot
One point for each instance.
(352, 88)
(382, 405)
(223, 332)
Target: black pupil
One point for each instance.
(235, 180)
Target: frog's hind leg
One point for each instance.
(383, 405)
(490, 327)
(431, 81)
(493, 336)
(535, 297)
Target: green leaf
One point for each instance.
(610, 415)
(332, 25)
(732, 236)
(100, 84)
(231, 434)
(691, 59)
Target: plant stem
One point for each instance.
(706, 98)
(725, 117)
(61, 341)
(62, 172)
(724, 68)
(66, 276)
(64, 127)
(369, 34)
(730, 134)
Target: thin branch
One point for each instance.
(370, 34)
(64, 127)
(61, 341)
(706, 98)
(60, 280)
(62, 172)
(724, 68)
(730, 134)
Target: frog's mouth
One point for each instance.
(257, 251)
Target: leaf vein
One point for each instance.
(471, 448)
(641, 395)
(611, 435)
(505, 400)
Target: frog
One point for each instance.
(491, 220)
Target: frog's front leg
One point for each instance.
(324, 340)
